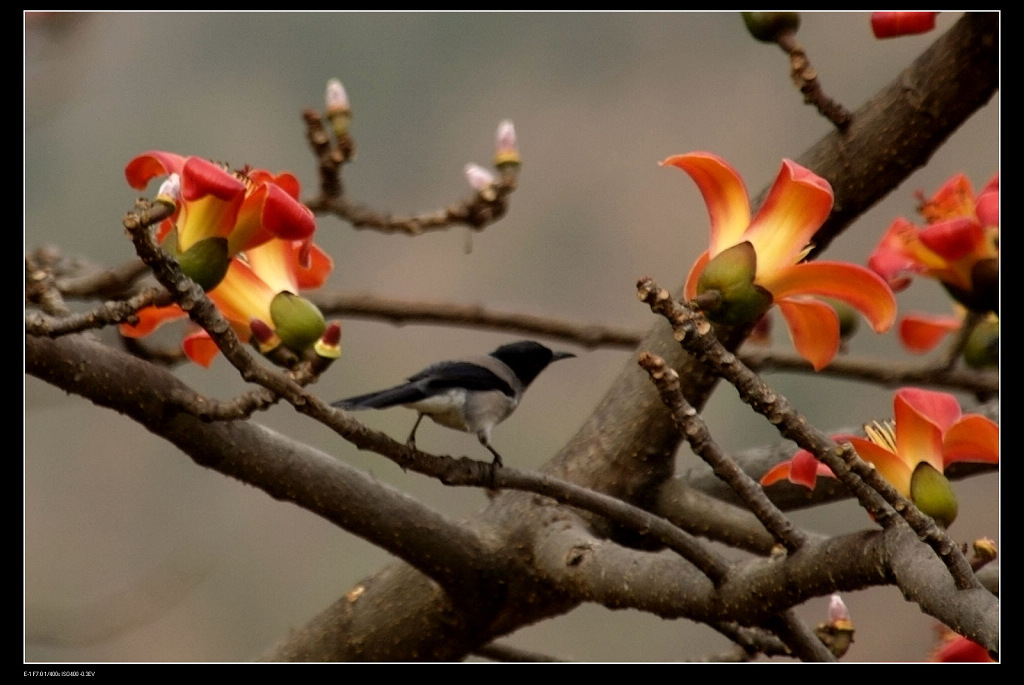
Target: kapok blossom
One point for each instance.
(260, 290)
(928, 434)
(753, 263)
(955, 648)
(895, 24)
(233, 211)
(959, 246)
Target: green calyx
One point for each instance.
(932, 493)
(768, 26)
(731, 275)
(206, 262)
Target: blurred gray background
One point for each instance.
(133, 553)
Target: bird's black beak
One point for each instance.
(555, 356)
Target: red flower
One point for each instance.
(238, 210)
(753, 263)
(959, 246)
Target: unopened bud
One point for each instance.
(264, 339)
(329, 344)
(838, 614)
(506, 148)
(296, 320)
(339, 112)
(480, 179)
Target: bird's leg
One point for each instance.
(411, 440)
(496, 463)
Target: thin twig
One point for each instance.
(696, 432)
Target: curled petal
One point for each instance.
(954, 199)
(151, 318)
(860, 288)
(974, 438)
(891, 260)
(200, 348)
(723, 192)
(318, 270)
(271, 212)
(797, 205)
(814, 328)
(921, 417)
(802, 469)
(149, 165)
(940, 408)
(953, 239)
(988, 208)
(201, 179)
(920, 333)
(690, 289)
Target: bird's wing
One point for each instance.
(463, 374)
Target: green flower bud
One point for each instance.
(932, 494)
(297, 321)
(731, 274)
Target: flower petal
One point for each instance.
(690, 289)
(921, 417)
(271, 212)
(814, 327)
(974, 438)
(890, 466)
(860, 288)
(940, 408)
(200, 348)
(151, 318)
(954, 239)
(920, 333)
(797, 205)
(891, 260)
(724, 194)
(802, 469)
(149, 165)
(318, 270)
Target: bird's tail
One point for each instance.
(400, 394)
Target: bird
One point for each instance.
(471, 395)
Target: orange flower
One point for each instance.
(929, 434)
(261, 287)
(755, 263)
(959, 246)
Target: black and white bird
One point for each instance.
(472, 395)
